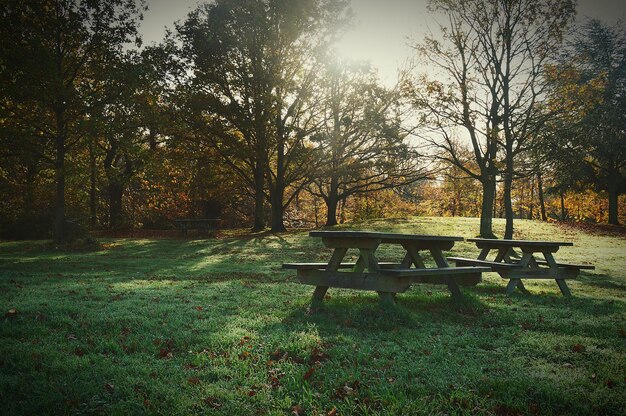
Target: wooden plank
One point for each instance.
(295, 266)
(389, 237)
(560, 273)
(439, 271)
(349, 280)
(491, 264)
(488, 242)
(568, 265)
(351, 242)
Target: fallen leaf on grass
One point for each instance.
(11, 313)
(309, 373)
(165, 353)
(199, 308)
(79, 352)
(212, 402)
(578, 348)
(244, 355)
(194, 381)
(297, 410)
(109, 387)
(244, 340)
(318, 356)
(332, 412)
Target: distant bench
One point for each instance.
(202, 224)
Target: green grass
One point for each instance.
(216, 326)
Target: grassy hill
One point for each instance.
(215, 326)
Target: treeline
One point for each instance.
(244, 112)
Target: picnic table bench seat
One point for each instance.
(315, 266)
(568, 265)
(491, 264)
(515, 264)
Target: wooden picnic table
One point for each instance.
(528, 266)
(385, 278)
(202, 224)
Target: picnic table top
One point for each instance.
(518, 243)
(384, 237)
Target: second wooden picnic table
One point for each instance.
(528, 266)
(367, 273)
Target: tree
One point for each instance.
(458, 102)
(48, 49)
(253, 80)
(360, 145)
(497, 63)
(589, 88)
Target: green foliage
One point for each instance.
(216, 327)
(589, 88)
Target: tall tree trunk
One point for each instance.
(563, 213)
(331, 216)
(259, 198)
(531, 205)
(116, 191)
(92, 186)
(486, 213)
(542, 203)
(613, 202)
(59, 175)
(277, 207)
(332, 201)
(29, 195)
(342, 210)
(508, 203)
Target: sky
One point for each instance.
(382, 30)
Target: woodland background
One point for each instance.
(244, 112)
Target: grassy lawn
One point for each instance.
(214, 326)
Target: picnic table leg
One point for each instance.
(368, 260)
(527, 260)
(412, 257)
(333, 265)
(387, 299)
(503, 254)
(555, 267)
(563, 286)
(318, 296)
(513, 283)
(483, 253)
(452, 284)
